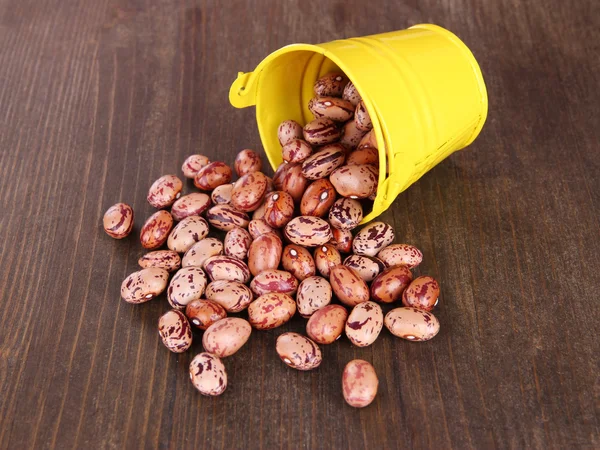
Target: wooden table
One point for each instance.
(99, 98)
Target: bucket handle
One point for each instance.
(243, 90)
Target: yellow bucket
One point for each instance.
(422, 88)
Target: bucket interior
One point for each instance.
(285, 87)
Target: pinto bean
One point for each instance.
(164, 191)
(358, 181)
(271, 311)
(372, 238)
(193, 164)
(348, 286)
(212, 175)
(193, 204)
(175, 332)
(336, 109)
(289, 130)
(118, 220)
(264, 253)
(298, 261)
(164, 259)
(279, 209)
(278, 281)
(296, 151)
(318, 198)
(248, 192)
(389, 285)
(187, 232)
(331, 85)
(247, 161)
(322, 131)
(156, 230)
(308, 231)
(237, 243)
(313, 294)
(423, 293)
(226, 217)
(323, 162)
(326, 257)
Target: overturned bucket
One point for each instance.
(422, 88)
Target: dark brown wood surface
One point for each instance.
(99, 98)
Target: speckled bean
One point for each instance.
(118, 220)
(364, 324)
(323, 162)
(332, 85)
(193, 204)
(326, 257)
(237, 243)
(298, 352)
(175, 332)
(203, 313)
(359, 383)
(187, 285)
(412, 324)
(271, 310)
(308, 231)
(226, 336)
(365, 155)
(278, 281)
(164, 259)
(333, 108)
(164, 191)
(313, 294)
(226, 217)
(264, 253)
(296, 151)
(358, 181)
(348, 286)
(367, 267)
(231, 295)
(208, 374)
(351, 135)
(193, 164)
(341, 240)
(156, 230)
(318, 198)
(144, 285)
(248, 192)
(368, 140)
(345, 214)
(279, 209)
(288, 130)
(227, 268)
(326, 325)
(187, 232)
(247, 161)
(372, 238)
(362, 118)
(298, 261)
(389, 285)
(221, 195)
(257, 227)
(289, 178)
(212, 175)
(351, 94)
(401, 254)
(423, 293)
(201, 251)
(321, 132)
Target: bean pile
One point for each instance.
(282, 251)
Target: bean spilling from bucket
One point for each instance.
(266, 250)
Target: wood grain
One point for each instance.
(99, 98)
